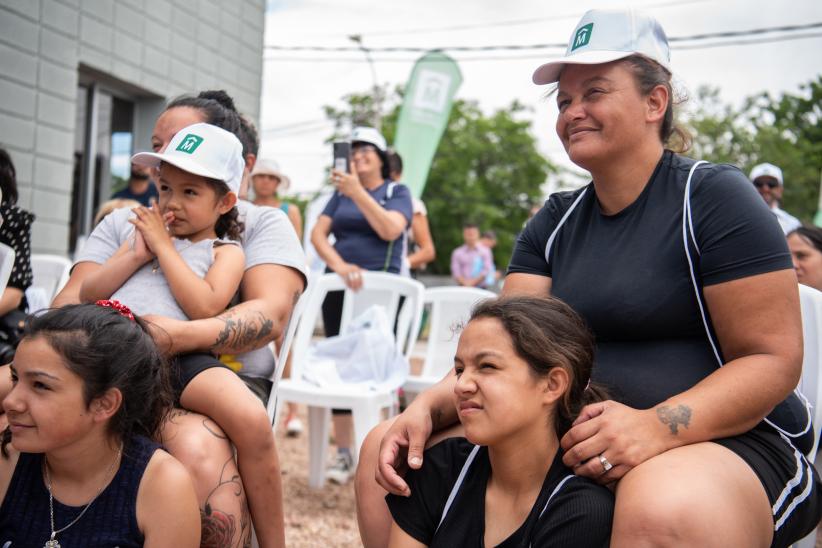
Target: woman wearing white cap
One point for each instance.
(267, 180)
(661, 256)
(368, 215)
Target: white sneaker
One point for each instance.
(293, 427)
(340, 472)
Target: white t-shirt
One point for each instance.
(268, 238)
(788, 222)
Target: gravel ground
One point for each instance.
(314, 518)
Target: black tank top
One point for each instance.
(111, 521)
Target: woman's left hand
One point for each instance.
(347, 184)
(623, 436)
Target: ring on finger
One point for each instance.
(606, 466)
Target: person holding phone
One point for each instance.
(368, 215)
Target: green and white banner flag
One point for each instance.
(428, 98)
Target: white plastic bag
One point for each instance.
(364, 354)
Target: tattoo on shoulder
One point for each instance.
(674, 417)
(248, 332)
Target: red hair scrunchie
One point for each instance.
(118, 306)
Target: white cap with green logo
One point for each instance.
(202, 149)
(602, 36)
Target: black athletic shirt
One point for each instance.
(628, 274)
(579, 513)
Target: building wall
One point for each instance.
(155, 49)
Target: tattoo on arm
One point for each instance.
(674, 417)
(248, 332)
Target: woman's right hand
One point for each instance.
(351, 275)
(402, 448)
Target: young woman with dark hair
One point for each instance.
(523, 368)
(79, 465)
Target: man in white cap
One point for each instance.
(767, 178)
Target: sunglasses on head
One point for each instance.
(770, 183)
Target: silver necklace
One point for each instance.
(52, 542)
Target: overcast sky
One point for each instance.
(296, 85)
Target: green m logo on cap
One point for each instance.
(189, 143)
(583, 36)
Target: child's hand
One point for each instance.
(151, 225)
(139, 247)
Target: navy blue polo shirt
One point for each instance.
(357, 242)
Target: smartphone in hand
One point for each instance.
(342, 156)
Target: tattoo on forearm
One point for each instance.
(674, 417)
(243, 334)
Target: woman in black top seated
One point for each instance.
(523, 370)
(685, 278)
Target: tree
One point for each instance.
(784, 131)
(486, 170)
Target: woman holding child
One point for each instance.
(686, 281)
(201, 381)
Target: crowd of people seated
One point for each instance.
(612, 395)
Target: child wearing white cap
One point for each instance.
(177, 263)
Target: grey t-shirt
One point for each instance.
(147, 290)
(269, 238)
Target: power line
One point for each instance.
(518, 47)
(512, 22)
(708, 45)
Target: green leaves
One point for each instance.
(784, 131)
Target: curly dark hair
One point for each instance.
(547, 333)
(108, 350)
(229, 224)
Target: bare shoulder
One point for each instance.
(167, 509)
(228, 251)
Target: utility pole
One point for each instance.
(377, 120)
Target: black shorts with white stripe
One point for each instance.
(791, 482)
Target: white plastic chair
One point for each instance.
(282, 356)
(378, 288)
(51, 272)
(6, 264)
(450, 309)
(811, 382)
